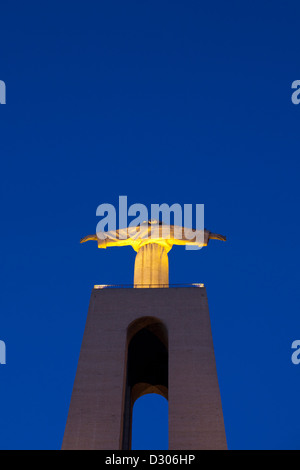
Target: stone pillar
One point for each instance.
(151, 268)
(97, 415)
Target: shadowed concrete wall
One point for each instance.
(96, 414)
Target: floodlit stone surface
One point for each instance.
(151, 266)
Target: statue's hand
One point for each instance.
(217, 236)
(88, 238)
(101, 243)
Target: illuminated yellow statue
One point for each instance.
(152, 240)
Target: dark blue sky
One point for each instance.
(186, 102)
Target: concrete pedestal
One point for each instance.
(99, 416)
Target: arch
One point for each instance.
(146, 367)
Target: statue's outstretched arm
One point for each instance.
(112, 238)
(88, 238)
(101, 243)
(172, 234)
(217, 236)
(187, 236)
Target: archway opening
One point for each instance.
(147, 367)
(150, 423)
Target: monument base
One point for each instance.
(99, 417)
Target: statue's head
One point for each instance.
(152, 222)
